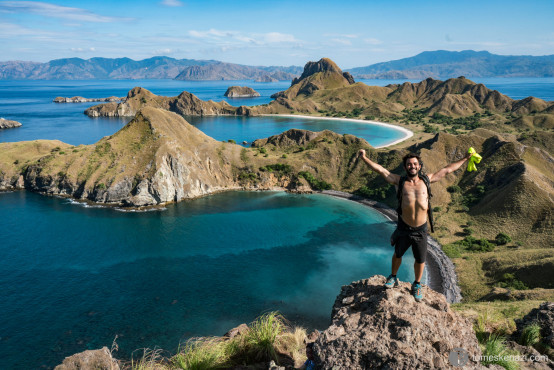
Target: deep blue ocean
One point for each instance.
(73, 277)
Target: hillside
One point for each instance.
(229, 71)
(444, 64)
(125, 68)
(456, 105)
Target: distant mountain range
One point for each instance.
(444, 64)
(156, 68)
(439, 64)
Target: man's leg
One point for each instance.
(418, 270)
(396, 262)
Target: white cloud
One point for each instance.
(373, 41)
(55, 11)
(276, 37)
(341, 35)
(342, 41)
(172, 3)
(82, 50)
(236, 37)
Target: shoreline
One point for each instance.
(441, 274)
(407, 133)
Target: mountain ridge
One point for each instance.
(447, 64)
(438, 64)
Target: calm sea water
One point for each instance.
(74, 277)
(30, 102)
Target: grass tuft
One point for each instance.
(530, 335)
(495, 352)
(202, 354)
(150, 360)
(261, 339)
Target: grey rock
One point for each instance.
(544, 316)
(374, 327)
(6, 123)
(100, 359)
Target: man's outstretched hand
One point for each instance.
(361, 153)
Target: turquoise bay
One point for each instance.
(74, 277)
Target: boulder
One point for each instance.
(374, 327)
(100, 359)
(544, 316)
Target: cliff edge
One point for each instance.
(375, 327)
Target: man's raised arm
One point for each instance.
(434, 177)
(391, 178)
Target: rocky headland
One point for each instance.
(241, 92)
(6, 123)
(80, 99)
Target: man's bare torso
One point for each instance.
(414, 202)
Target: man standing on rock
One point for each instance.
(411, 230)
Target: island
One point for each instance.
(80, 99)
(6, 123)
(241, 92)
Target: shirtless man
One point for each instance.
(411, 229)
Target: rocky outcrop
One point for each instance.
(544, 316)
(5, 123)
(241, 92)
(100, 359)
(80, 99)
(373, 327)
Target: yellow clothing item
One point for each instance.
(475, 158)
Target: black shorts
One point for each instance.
(406, 236)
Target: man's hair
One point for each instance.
(411, 155)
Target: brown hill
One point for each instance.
(184, 104)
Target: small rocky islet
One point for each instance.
(6, 123)
(241, 92)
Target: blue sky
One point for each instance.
(283, 32)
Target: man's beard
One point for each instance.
(410, 175)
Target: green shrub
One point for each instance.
(263, 150)
(510, 281)
(101, 186)
(280, 168)
(314, 183)
(231, 141)
(502, 239)
(530, 335)
(453, 189)
(436, 209)
(380, 192)
(284, 156)
(62, 152)
(452, 250)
